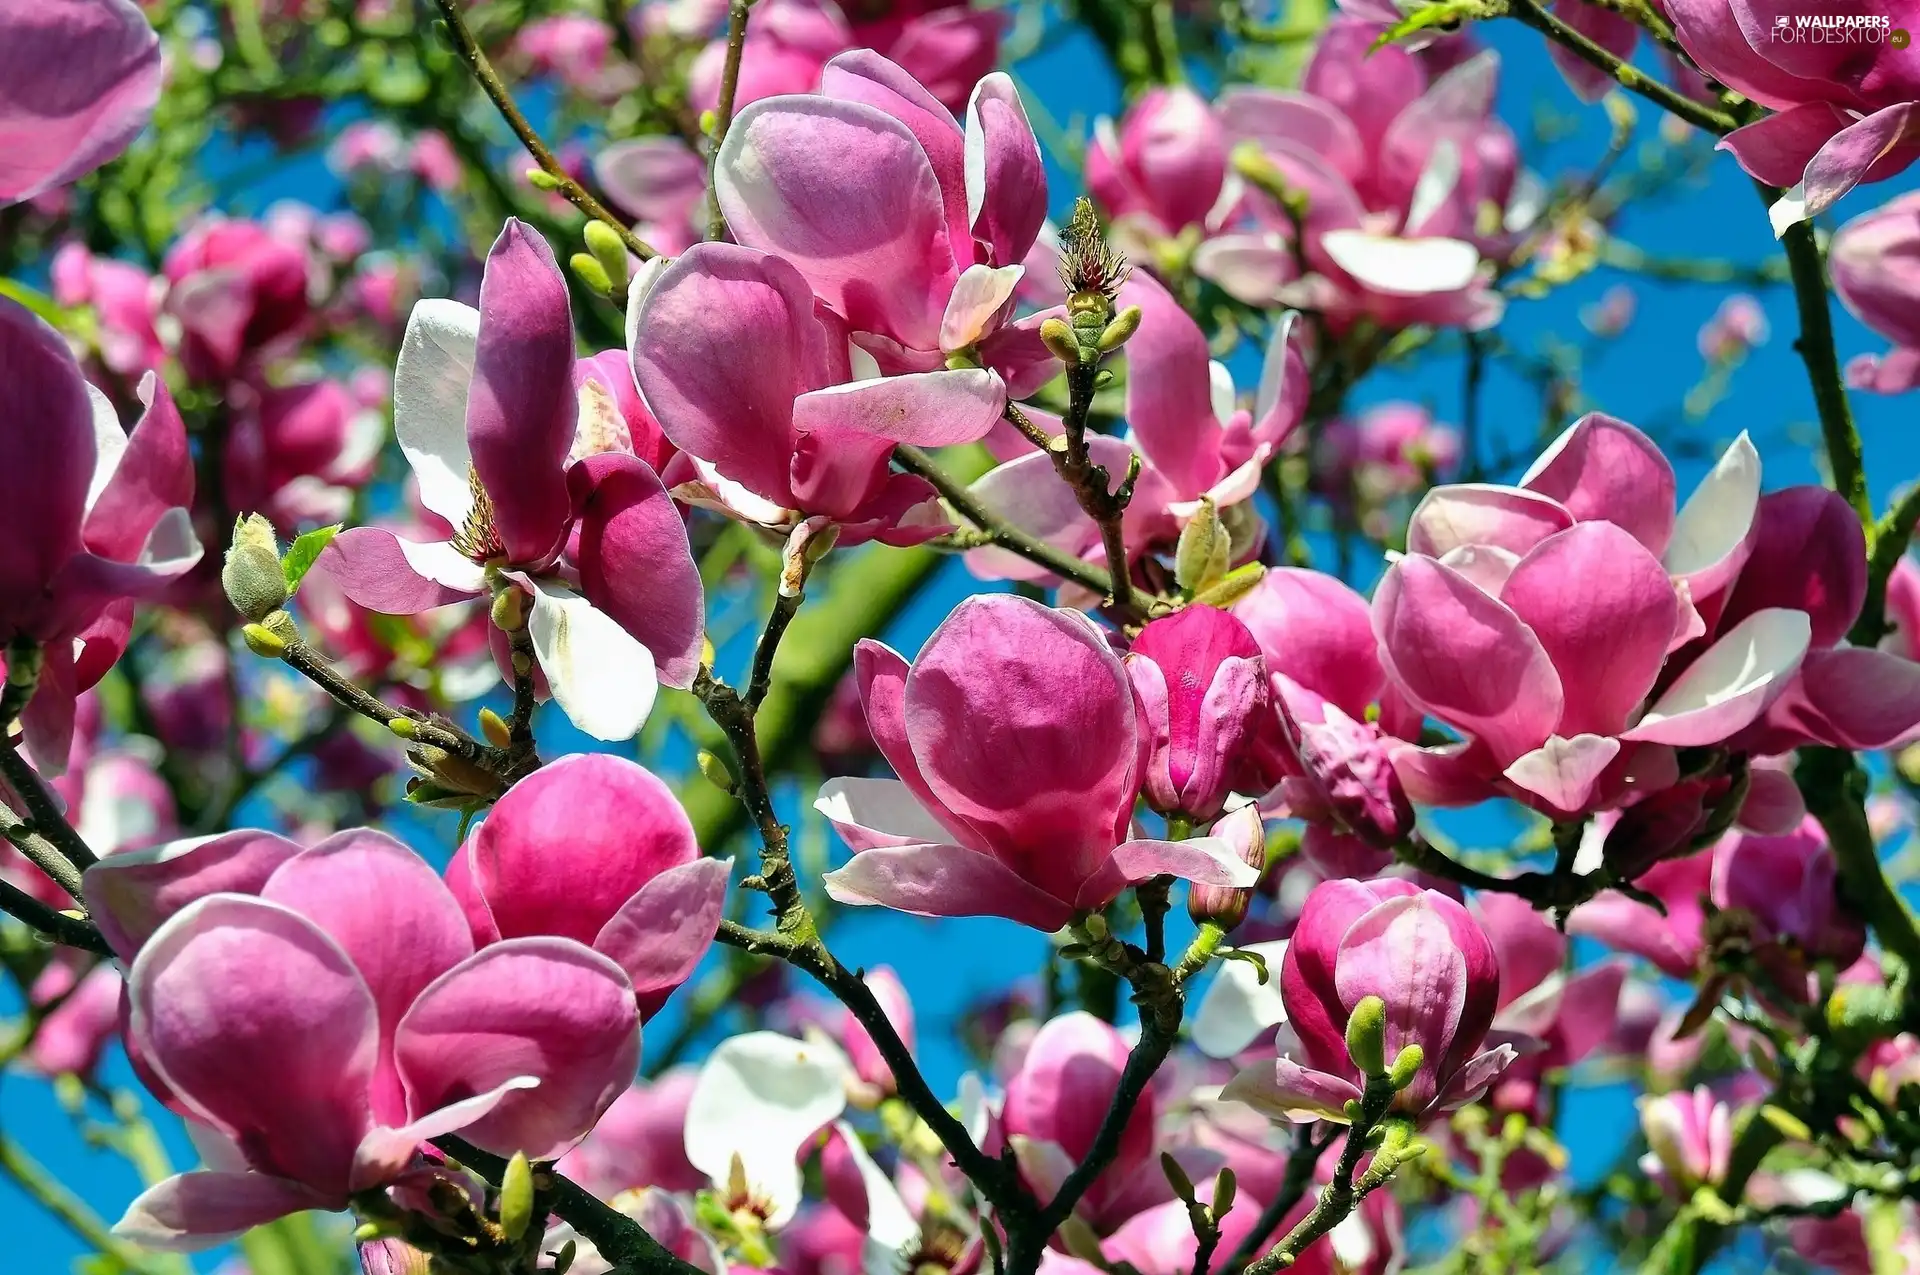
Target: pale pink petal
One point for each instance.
(1462, 515)
(927, 409)
(1006, 182)
(192, 1211)
(81, 79)
(659, 935)
(1605, 469)
(378, 570)
(876, 812)
(944, 880)
(1564, 772)
(1284, 1090)
(1730, 684)
(132, 894)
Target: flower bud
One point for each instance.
(516, 1196)
(717, 772)
(1367, 1036)
(1406, 1066)
(1347, 777)
(1200, 681)
(1231, 587)
(588, 269)
(1201, 557)
(1124, 325)
(510, 609)
(1224, 905)
(1225, 1187)
(495, 728)
(263, 642)
(541, 179)
(252, 577)
(1176, 1177)
(1058, 337)
(1689, 1138)
(604, 242)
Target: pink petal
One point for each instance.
(1203, 860)
(1605, 469)
(1526, 945)
(881, 676)
(1403, 952)
(927, 409)
(1475, 1078)
(1465, 657)
(1064, 1084)
(132, 894)
(1028, 492)
(892, 995)
(1170, 390)
(45, 470)
(521, 410)
(373, 569)
(861, 75)
(258, 1021)
(192, 1211)
(1316, 630)
(1730, 684)
(389, 912)
(1859, 699)
(570, 844)
(1589, 1009)
(1474, 515)
(82, 79)
(1870, 149)
(1284, 1090)
(154, 474)
(541, 1007)
(635, 562)
(656, 179)
(848, 195)
(1615, 34)
(1564, 773)
(1774, 806)
(1777, 148)
(1006, 182)
(944, 880)
(1809, 554)
(1280, 119)
(659, 935)
(1604, 612)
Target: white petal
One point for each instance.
(1403, 267)
(1273, 369)
(1719, 513)
(109, 442)
(1435, 185)
(883, 806)
(1220, 390)
(1236, 1008)
(1741, 671)
(976, 1109)
(761, 1097)
(440, 562)
(430, 403)
(601, 676)
(891, 1227)
(171, 547)
(977, 296)
(1352, 1242)
(1788, 210)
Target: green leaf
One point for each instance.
(302, 552)
(38, 302)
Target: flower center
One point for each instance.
(479, 539)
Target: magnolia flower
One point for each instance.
(486, 414)
(1017, 743)
(90, 519)
(1789, 886)
(1569, 1015)
(1201, 688)
(1875, 259)
(126, 304)
(908, 227)
(760, 1101)
(662, 184)
(235, 287)
(82, 78)
(324, 1011)
(1420, 953)
(748, 376)
(1842, 112)
(1055, 1104)
(298, 455)
(1165, 166)
(1689, 1138)
(597, 849)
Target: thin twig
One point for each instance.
(1625, 74)
(1293, 1188)
(1823, 364)
(43, 813)
(723, 113)
(69, 931)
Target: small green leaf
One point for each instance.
(301, 553)
(38, 302)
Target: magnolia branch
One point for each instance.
(723, 113)
(1625, 74)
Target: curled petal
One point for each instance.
(1284, 1090)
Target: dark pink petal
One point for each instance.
(521, 410)
(659, 935)
(1870, 149)
(192, 1211)
(570, 844)
(378, 570)
(258, 1021)
(154, 473)
(1605, 612)
(1316, 630)
(1006, 180)
(1307, 971)
(1589, 1009)
(635, 562)
(44, 470)
(1065, 1082)
(131, 894)
(1858, 698)
(1809, 554)
(1605, 469)
(1776, 148)
(944, 880)
(81, 78)
(881, 676)
(1466, 658)
(1711, 33)
(541, 1007)
(389, 912)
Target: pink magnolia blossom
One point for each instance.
(298, 455)
(90, 518)
(434, 161)
(1689, 1138)
(1165, 166)
(125, 301)
(571, 47)
(1018, 747)
(1570, 1015)
(236, 289)
(1674, 939)
(487, 415)
(1201, 688)
(1875, 260)
(82, 1016)
(908, 226)
(1389, 450)
(78, 79)
(1842, 112)
(1789, 886)
(755, 383)
(1055, 1103)
(352, 960)
(661, 184)
(596, 849)
(1736, 328)
(1419, 952)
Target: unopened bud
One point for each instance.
(1231, 587)
(404, 727)
(1226, 905)
(607, 247)
(263, 642)
(590, 272)
(252, 576)
(516, 1196)
(1124, 325)
(717, 773)
(1367, 1036)
(1200, 558)
(495, 728)
(509, 610)
(1225, 1187)
(541, 179)
(1058, 337)
(1176, 1177)
(1406, 1066)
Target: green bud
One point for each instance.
(1231, 587)
(563, 1257)
(1176, 1177)
(718, 773)
(510, 610)
(1367, 1036)
(1225, 1188)
(263, 642)
(1200, 558)
(1406, 1066)
(1080, 1240)
(1057, 334)
(541, 179)
(590, 272)
(1095, 926)
(604, 242)
(1103, 379)
(516, 1196)
(1124, 325)
(252, 577)
(495, 728)
(404, 727)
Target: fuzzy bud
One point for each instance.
(588, 269)
(1406, 1066)
(1200, 559)
(1058, 337)
(604, 242)
(1367, 1036)
(1124, 325)
(516, 1196)
(717, 772)
(252, 576)
(263, 642)
(541, 179)
(495, 728)
(509, 610)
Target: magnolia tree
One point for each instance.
(647, 362)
